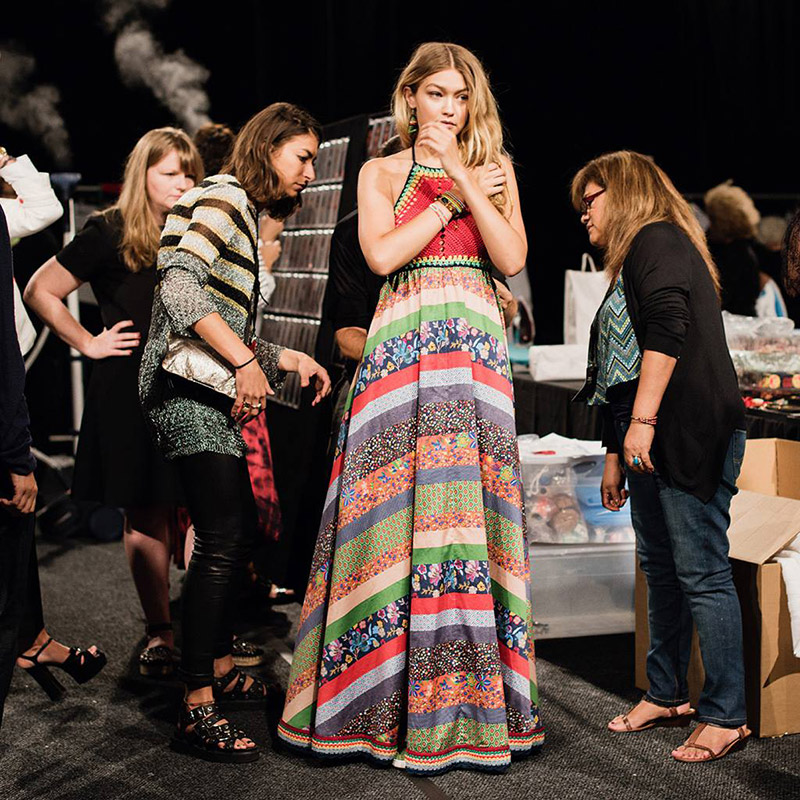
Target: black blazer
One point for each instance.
(674, 310)
(15, 438)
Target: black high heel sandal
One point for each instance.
(204, 740)
(80, 665)
(159, 661)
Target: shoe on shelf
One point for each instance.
(247, 654)
(212, 737)
(158, 661)
(81, 665)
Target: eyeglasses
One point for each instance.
(586, 202)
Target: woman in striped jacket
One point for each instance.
(208, 281)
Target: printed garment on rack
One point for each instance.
(415, 635)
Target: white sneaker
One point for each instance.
(399, 763)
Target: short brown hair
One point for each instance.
(250, 161)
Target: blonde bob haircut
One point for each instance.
(481, 140)
(732, 212)
(141, 232)
(638, 192)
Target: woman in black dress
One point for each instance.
(116, 462)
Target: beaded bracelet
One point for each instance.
(454, 204)
(439, 213)
(249, 361)
(645, 420)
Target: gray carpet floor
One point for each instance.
(108, 739)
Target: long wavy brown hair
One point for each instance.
(481, 140)
(251, 163)
(141, 232)
(638, 192)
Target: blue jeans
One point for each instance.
(682, 544)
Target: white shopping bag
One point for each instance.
(558, 362)
(584, 291)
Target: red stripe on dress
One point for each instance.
(403, 377)
(515, 661)
(364, 665)
(494, 379)
(469, 602)
(458, 359)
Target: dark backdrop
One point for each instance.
(708, 87)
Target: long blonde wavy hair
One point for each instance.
(141, 232)
(481, 140)
(638, 192)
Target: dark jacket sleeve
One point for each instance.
(15, 438)
(658, 268)
(348, 274)
(609, 435)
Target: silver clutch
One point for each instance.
(196, 361)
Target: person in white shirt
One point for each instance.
(34, 207)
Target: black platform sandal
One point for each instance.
(237, 696)
(159, 661)
(247, 654)
(210, 738)
(80, 665)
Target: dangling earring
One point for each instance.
(412, 122)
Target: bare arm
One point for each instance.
(386, 247)
(504, 237)
(351, 342)
(507, 302)
(45, 294)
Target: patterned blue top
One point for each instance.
(618, 357)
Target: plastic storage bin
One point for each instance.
(582, 590)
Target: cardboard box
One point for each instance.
(761, 525)
(771, 466)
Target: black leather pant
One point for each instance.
(223, 511)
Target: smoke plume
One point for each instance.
(174, 79)
(33, 109)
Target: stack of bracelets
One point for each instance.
(454, 204)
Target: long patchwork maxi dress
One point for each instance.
(415, 635)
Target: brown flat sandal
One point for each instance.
(674, 720)
(736, 744)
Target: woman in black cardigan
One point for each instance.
(674, 426)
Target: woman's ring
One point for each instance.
(636, 461)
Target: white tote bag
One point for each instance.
(584, 291)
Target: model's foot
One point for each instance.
(161, 639)
(53, 653)
(205, 697)
(714, 738)
(223, 667)
(643, 715)
(244, 743)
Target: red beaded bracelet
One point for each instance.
(645, 420)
